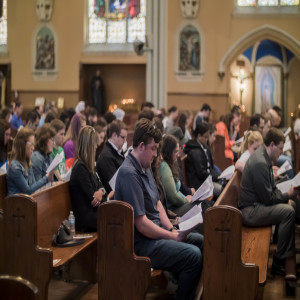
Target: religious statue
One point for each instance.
(44, 9)
(97, 92)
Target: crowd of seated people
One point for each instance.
(95, 148)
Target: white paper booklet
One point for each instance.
(3, 169)
(205, 190)
(285, 186)
(287, 146)
(227, 173)
(67, 176)
(112, 182)
(239, 141)
(287, 131)
(55, 162)
(285, 167)
(191, 219)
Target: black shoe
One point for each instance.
(277, 269)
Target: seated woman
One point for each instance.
(85, 186)
(78, 121)
(41, 157)
(20, 177)
(199, 163)
(5, 133)
(169, 177)
(252, 141)
(223, 128)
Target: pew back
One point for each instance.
(218, 153)
(3, 189)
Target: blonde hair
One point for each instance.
(250, 138)
(19, 147)
(86, 149)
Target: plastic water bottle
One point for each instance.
(72, 223)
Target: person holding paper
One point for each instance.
(86, 189)
(169, 177)
(41, 157)
(263, 204)
(154, 236)
(199, 163)
(5, 133)
(20, 177)
(59, 127)
(252, 141)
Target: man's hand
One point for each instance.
(189, 198)
(193, 191)
(292, 192)
(179, 236)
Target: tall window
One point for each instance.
(268, 3)
(116, 21)
(3, 24)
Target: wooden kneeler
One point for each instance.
(121, 274)
(224, 274)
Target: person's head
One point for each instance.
(102, 122)
(147, 104)
(173, 112)
(5, 114)
(257, 122)
(170, 152)
(60, 129)
(146, 137)
(274, 142)
(212, 133)
(275, 118)
(92, 116)
(228, 120)
(267, 123)
(109, 117)
(119, 113)
(252, 141)
(178, 134)
(206, 109)
(74, 128)
(159, 124)
(32, 120)
(50, 116)
(18, 108)
(45, 139)
(39, 110)
(117, 133)
(101, 132)
(236, 112)
(146, 113)
(182, 120)
(201, 133)
(86, 149)
(23, 147)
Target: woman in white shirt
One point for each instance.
(252, 141)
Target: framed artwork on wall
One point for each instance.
(268, 88)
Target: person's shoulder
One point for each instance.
(37, 156)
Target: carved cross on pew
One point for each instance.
(19, 217)
(222, 231)
(114, 225)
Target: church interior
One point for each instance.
(182, 53)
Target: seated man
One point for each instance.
(257, 122)
(112, 156)
(168, 249)
(32, 120)
(262, 204)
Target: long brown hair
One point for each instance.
(87, 143)
(19, 147)
(169, 145)
(43, 135)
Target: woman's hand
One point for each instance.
(97, 198)
(50, 176)
(189, 198)
(111, 195)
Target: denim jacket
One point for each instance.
(21, 181)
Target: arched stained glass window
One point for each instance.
(116, 21)
(3, 23)
(260, 3)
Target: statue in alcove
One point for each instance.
(97, 92)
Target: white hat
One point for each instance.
(119, 113)
(80, 107)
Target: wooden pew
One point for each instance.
(121, 274)
(235, 257)
(182, 160)
(297, 156)
(42, 214)
(3, 189)
(218, 153)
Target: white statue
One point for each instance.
(44, 9)
(189, 8)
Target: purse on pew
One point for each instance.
(64, 238)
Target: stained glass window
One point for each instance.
(116, 21)
(268, 2)
(3, 24)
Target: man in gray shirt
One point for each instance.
(262, 204)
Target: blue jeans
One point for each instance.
(184, 260)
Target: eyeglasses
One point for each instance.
(30, 144)
(123, 137)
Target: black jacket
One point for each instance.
(196, 164)
(107, 164)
